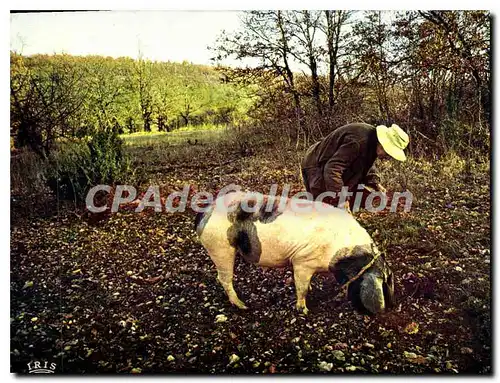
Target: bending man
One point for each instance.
(346, 158)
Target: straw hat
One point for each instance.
(394, 140)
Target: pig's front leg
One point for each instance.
(302, 275)
(224, 261)
(225, 278)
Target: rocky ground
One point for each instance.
(136, 293)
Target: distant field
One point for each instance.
(180, 136)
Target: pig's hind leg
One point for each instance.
(302, 274)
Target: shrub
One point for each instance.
(79, 165)
(26, 173)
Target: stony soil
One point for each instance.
(136, 293)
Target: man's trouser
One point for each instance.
(313, 181)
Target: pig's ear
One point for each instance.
(372, 293)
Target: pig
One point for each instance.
(313, 237)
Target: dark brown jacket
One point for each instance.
(343, 158)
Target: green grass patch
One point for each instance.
(195, 134)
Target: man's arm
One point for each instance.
(334, 168)
(372, 180)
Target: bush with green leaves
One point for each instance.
(76, 166)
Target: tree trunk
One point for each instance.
(185, 117)
(331, 57)
(289, 74)
(313, 66)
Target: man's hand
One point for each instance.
(347, 207)
(375, 187)
(380, 188)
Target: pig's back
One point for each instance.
(301, 228)
(323, 232)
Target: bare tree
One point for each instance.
(45, 103)
(305, 25)
(336, 39)
(264, 36)
(145, 91)
(467, 35)
(373, 57)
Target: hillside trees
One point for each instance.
(108, 84)
(162, 103)
(65, 96)
(303, 74)
(193, 93)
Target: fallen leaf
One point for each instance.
(28, 284)
(412, 328)
(233, 359)
(153, 279)
(220, 318)
(136, 370)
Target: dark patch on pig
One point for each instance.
(242, 235)
(260, 211)
(348, 262)
(244, 243)
(268, 215)
(201, 220)
(238, 214)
